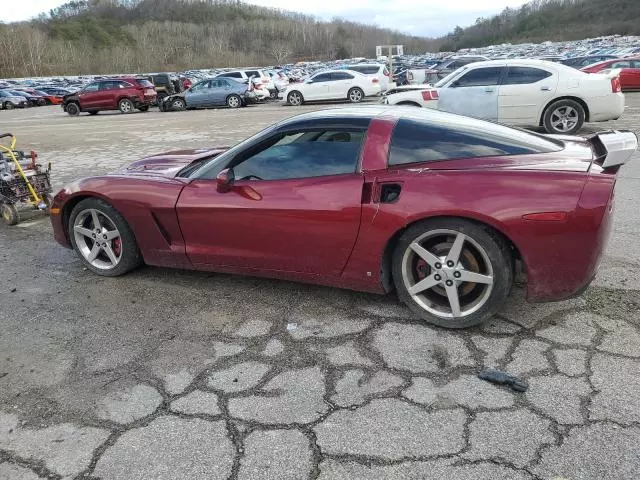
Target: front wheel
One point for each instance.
(178, 104)
(295, 99)
(564, 117)
(234, 101)
(73, 109)
(126, 106)
(355, 95)
(103, 239)
(452, 272)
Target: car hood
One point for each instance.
(170, 163)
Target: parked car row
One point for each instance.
(22, 97)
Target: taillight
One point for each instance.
(616, 86)
(429, 94)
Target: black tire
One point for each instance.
(160, 97)
(131, 257)
(72, 109)
(8, 106)
(10, 215)
(234, 101)
(355, 95)
(177, 104)
(295, 98)
(550, 117)
(490, 299)
(126, 106)
(94, 112)
(143, 108)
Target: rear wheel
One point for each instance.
(103, 239)
(72, 109)
(355, 95)
(452, 272)
(295, 99)
(564, 117)
(234, 101)
(9, 213)
(126, 106)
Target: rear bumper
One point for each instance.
(608, 107)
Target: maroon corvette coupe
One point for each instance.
(436, 206)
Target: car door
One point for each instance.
(317, 87)
(524, 92)
(475, 93)
(294, 206)
(634, 74)
(222, 90)
(89, 95)
(196, 95)
(106, 95)
(211, 93)
(340, 84)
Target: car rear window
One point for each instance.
(144, 83)
(366, 69)
(450, 137)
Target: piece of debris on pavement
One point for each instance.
(503, 378)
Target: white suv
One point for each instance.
(259, 77)
(378, 70)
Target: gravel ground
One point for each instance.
(166, 374)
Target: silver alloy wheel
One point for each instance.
(355, 95)
(233, 101)
(295, 99)
(564, 119)
(126, 106)
(178, 104)
(447, 273)
(98, 239)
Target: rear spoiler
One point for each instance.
(613, 148)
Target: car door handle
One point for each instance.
(489, 90)
(545, 88)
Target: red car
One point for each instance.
(437, 206)
(629, 71)
(124, 94)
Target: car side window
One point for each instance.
(252, 73)
(525, 75)
(302, 154)
(124, 84)
(92, 87)
(341, 76)
(480, 77)
(635, 64)
(321, 77)
(232, 75)
(415, 141)
(620, 65)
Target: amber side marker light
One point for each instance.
(546, 217)
(54, 211)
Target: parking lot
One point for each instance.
(165, 374)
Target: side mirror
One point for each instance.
(224, 180)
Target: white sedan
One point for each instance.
(332, 85)
(525, 92)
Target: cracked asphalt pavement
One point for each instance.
(165, 374)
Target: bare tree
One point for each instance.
(280, 52)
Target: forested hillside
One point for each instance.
(106, 36)
(542, 20)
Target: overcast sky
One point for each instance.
(415, 17)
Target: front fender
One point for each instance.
(146, 203)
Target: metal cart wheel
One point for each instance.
(9, 213)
